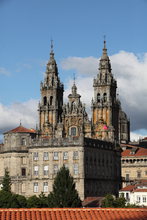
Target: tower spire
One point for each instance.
(52, 46)
(104, 49)
(52, 50)
(74, 88)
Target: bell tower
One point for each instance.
(50, 106)
(105, 107)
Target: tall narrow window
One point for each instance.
(45, 170)
(144, 198)
(76, 169)
(36, 187)
(55, 169)
(45, 100)
(73, 131)
(23, 171)
(75, 155)
(138, 174)
(138, 199)
(35, 155)
(51, 100)
(55, 156)
(98, 97)
(127, 177)
(23, 141)
(65, 155)
(45, 156)
(105, 97)
(45, 187)
(36, 170)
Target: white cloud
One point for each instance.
(12, 114)
(135, 136)
(4, 71)
(129, 69)
(87, 65)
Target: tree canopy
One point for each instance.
(6, 182)
(64, 193)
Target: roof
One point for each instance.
(140, 190)
(21, 129)
(128, 188)
(92, 202)
(135, 188)
(140, 151)
(74, 214)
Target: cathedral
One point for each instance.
(108, 122)
(89, 148)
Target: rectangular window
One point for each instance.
(45, 187)
(45, 170)
(55, 156)
(144, 198)
(127, 196)
(35, 155)
(55, 169)
(127, 177)
(23, 171)
(75, 155)
(65, 155)
(36, 170)
(23, 142)
(73, 131)
(76, 169)
(138, 174)
(138, 199)
(45, 156)
(36, 187)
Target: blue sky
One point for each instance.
(77, 28)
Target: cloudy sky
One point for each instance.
(77, 28)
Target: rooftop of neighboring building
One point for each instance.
(134, 152)
(141, 187)
(74, 213)
(21, 129)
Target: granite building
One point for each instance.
(88, 147)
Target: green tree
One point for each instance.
(6, 182)
(111, 201)
(33, 202)
(108, 201)
(119, 202)
(5, 199)
(43, 200)
(19, 201)
(64, 193)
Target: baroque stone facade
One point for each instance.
(66, 136)
(108, 122)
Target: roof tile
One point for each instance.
(74, 214)
(139, 152)
(21, 129)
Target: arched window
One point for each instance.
(44, 100)
(73, 131)
(51, 100)
(98, 97)
(105, 97)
